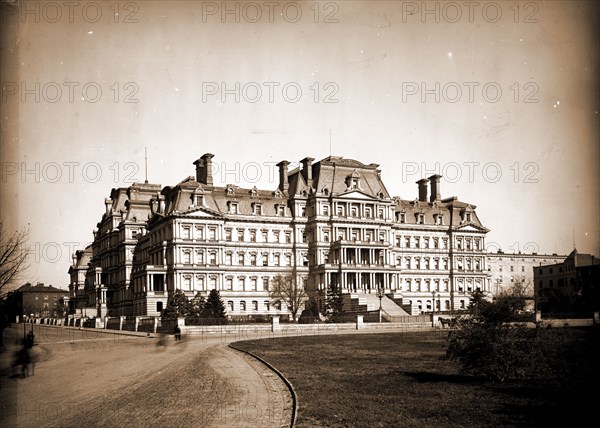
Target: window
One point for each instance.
(402, 217)
(265, 259)
(187, 282)
(512, 268)
(241, 235)
(368, 212)
(459, 243)
(228, 234)
(438, 219)
(253, 284)
(417, 242)
(229, 306)
(276, 235)
(252, 235)
(267, 305)
(212, 258)
(254, 305)
(326, 235)
(228, 259)
(229, 283)
(523, 269)
(288, 260)
(468, 244)
(325, 209)
(277, 259)
(280, 210)
(187, 257)
(426, 242)
(159, 307)
(266, 284)
(420, 218)
(233, 207)
(253, 259)
(339, 210)
(380, 213)
(288, 237)
(265, 235)
(407, 242)
(241, 259)
(199, 257)
(242, 283)
(354, 211)
(257, 209)
(212, 234)
(186, 232)
(199, 232)
(242, 306)
(302, 211)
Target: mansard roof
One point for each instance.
(451, 209)
(331, 174)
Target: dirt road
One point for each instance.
(121, 381)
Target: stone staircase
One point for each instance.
(359, 302)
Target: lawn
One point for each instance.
(400, 380)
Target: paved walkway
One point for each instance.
(129, 381)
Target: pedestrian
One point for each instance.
(177, 333)
(30, 340)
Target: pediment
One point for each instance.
(356, 194)
(201, 212)
(470, 227)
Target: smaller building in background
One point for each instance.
(570, 286)
(39, 301)
(513, 272)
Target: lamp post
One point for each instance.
(380, 294)
(433, 310)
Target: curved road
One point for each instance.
(87, 378)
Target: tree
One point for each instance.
(334, 304)
(178, 305)
(13, 255)
(285, 289)
(214, 307)
(488, 343)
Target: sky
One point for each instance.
(501, 98)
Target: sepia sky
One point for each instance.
(501, 98)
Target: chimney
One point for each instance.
(307, 170)
(204, 169)
(435, 188)
(423, 189)
(283, 175)
(107, 204)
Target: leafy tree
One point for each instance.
(178, 305)
(334, 304)
(214, 307)
(284, 288)
(488, 343)
(197, 310)
(13, 256)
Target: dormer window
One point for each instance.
(420, 218)
(277, 193)
(229, 190)
(353, 181)
(254, 191)
(232, 207)
(257, 209)
(402, 217)
(280, 210)
(468, 217)
(439, 219)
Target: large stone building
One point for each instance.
(327, 222)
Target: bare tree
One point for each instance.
(284, 288)
(13, 255)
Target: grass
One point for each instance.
(400, 380)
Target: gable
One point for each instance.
(201, 213)
(470, 227)
(356, 194)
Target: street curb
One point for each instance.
(281, 376)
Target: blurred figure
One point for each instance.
(162, 341)
(177, 333)
(22, 360)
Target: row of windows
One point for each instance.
(241, 258)
(428, 305)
